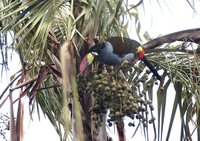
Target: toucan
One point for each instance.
(114, 51)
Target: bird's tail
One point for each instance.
(153, 70)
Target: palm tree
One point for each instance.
(51, 35)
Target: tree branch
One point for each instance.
(190, 35)
(24, 83)
(158, 50)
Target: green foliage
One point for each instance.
(38, 28)
(182, 70)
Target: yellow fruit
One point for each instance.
(99, 86)
(107, 89)
(120, 91)
(104, 72)
(117, 114)
(101, 76)
(89, 84)
(104, 82)
(95, 76)
(148, 71)
(119, 86)
(97, 81)
(113, 84)
(113, 89)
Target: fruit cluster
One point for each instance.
(113, 93)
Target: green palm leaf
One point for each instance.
(39, 28)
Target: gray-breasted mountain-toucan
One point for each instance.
(114, 52)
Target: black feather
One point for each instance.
(150, 66)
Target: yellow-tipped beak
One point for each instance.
(87, 60)
(90, 58)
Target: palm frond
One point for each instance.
(39, 28)
(182, 69)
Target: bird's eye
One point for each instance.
(94, 53)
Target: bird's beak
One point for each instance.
(87, 60)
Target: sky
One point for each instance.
(157, 19)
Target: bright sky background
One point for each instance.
(168, 17)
